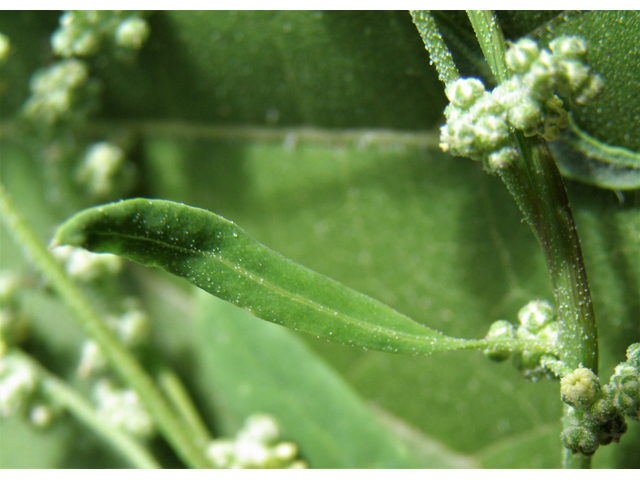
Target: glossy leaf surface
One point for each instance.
(219, 257)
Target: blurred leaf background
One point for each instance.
(317, 133)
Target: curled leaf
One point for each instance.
(583, 158)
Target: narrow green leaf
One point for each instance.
(216, 255)
(438, 51)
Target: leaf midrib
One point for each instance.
(287, 294)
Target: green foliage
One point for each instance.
(220, 258)
(387, 214)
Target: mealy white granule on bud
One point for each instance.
(122, 409)
(501, 159)
(101, 164)
(251, 454)
(536, 314)
(133, 327)
(5, 48)
(575, 74)
(261, 428)
(285, 451)
(132, 32)
(569, 47)
(221, 452)
(53, 90)
(18, 381)
(464, 92)
(521, 55)
(86, 266)
(92, 359)
(41, 415)
(526, 115)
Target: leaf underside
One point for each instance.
(219, 257)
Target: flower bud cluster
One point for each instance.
(56, 91)
(18, 383)
(625, 384)
(86, 266)
(538, 326)
(257, 445)
(594, 418)
(101, 169)
(123, 409)
(19, 395)
(82, 32)
(599, 413)
(479, 123)
(132, 329)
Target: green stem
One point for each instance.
(173, 428)
(62, 394)
(177, 394)
(438, 51)
(536, 184)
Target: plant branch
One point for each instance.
(536, 184)
(177, 432)
(177, 394)
(62, 394)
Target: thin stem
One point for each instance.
(63, 395)
(177, 394)
(438, 51)
(177, 433)
(536, 184)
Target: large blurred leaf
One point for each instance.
(433, 236)
(256, 367)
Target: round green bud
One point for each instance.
(526, 115)
(464, 92)
(575, 74)
(541, 77)
(611, 430)
(580, 439)
(625, 386)
(500, 330)
(569, 47)
(132, 32)
(579, 387)
(501, 159)
(521, 55)
(535, 315)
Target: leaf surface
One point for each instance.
(316, 408)
(219, 257)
